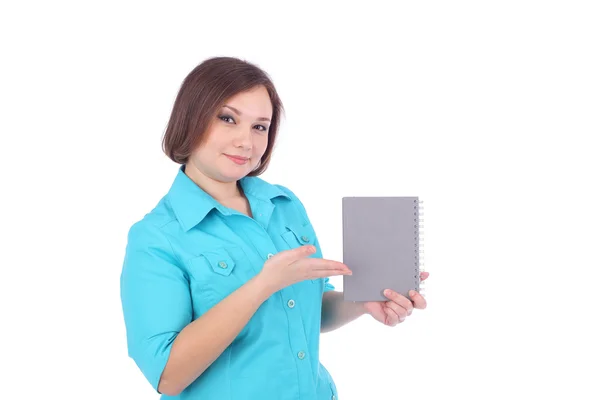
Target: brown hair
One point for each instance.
(200, 97)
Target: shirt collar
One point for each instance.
(191, 204)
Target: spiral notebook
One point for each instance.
(382, 245)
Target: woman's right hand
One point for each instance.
(292, 266)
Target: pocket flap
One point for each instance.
(219, 260)
(299, 235)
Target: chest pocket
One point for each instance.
(218, 272)
(301, 235)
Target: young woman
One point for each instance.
(224, 288)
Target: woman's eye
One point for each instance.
(264, 128)
(225, 117)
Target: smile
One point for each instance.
(237, 159)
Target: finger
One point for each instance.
(418, 300)
(399, 299)
(392, 318)
(329, 270)
(318, 267)
(399, 310)
(321, 264)
(325, 273)
(289, 256)
(424, 275)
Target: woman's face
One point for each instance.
(237, 137)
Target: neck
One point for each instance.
(220, 191)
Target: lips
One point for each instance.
(237, 159)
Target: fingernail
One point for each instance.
(387, 292)
(412, 293)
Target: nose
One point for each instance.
(243, 138)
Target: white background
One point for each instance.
(487, 110)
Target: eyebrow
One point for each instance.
(235, 110)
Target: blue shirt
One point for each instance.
(189, 253)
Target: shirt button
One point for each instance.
(304, 238)
(301, 355)
(269, 255)
(333, 397)
(291, 303)
(222, 264)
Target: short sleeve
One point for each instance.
(155, 298)
(295, 199)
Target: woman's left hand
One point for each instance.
(395, 310)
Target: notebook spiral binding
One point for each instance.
(419, 244)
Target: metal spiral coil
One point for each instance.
(420, 243)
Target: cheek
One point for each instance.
(260, 146)
(199, 154)
(215, 138)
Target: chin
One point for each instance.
(234, 175)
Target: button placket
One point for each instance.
(286, 296)
(262, 212)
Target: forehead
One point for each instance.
(254, 103)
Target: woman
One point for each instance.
(224, 289)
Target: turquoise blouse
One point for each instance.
(188, 254)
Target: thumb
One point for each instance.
(289, 256)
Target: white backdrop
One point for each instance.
(487, 110)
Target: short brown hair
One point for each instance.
(202, 93)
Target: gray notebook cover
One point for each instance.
(380, 246)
